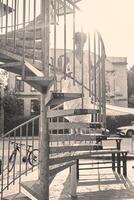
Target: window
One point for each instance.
(19, 84)
(33, 89)
(21, 106)
(35, 107)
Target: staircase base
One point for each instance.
(18, 196)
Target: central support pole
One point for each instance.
(44, 135)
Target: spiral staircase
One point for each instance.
(25, 50)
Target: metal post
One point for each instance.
(44, 137)
(1, 110)
(73, 179)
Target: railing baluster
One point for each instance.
(17, 12)
(65, 59)
(24, 31)
(12, 16)
(26, 148)
(34, 31)
(14, 165)
(74, 45)
(3, 160)
(8, 156)
(15, 7)
(32, 140)
(55, 34)
(6, 21)
(20, 161)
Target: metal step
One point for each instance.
(16, 67)
(42, 84)
(18, 196)
(32, 188)
(55, 98)
(55, 169)
(76, 147)
(76, 137)
(29, 53)
(67, 157)
(71, 112)
(29, 44)
(67, 125)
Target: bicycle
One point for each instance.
(32, 156)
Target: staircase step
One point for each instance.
(32, 188)
(77, 137)
(76, 147)
(16, 67)
(67, 125)
(71, 112)
(18, 196)
(29, 44)
(55, 169)
(42, 84)
(57, 98)
(70, 156)
(74, 125)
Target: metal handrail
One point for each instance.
(19, 126)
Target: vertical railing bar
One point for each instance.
(103, 84)
(12, 16)
(89, 64)
(74, 45)
(29, 11)
(20, 159)
(82, 68)
(14, 165)
(6, 20)
(24, 31)
(1, 7)
(15, 7)
(58, 6)
(64, 39)
(3, 160)
(99, 79)
(26, 147)
(32, 140)
(17, 11)
(55, 34)
(34, 32)
(2, 14)
(8, 155)
(95, 67)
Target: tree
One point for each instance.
(12, 105)
(131, 87)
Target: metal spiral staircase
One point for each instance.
(25, 31)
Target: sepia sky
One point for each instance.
(115, 21)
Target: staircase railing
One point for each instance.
(19, 152)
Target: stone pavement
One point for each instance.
(98, 184)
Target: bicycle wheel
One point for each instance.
(11, 161)
(34, 157)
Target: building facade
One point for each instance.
(116, 82)
(29, 97)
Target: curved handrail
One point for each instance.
(19, 126)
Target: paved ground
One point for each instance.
(99, 184)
